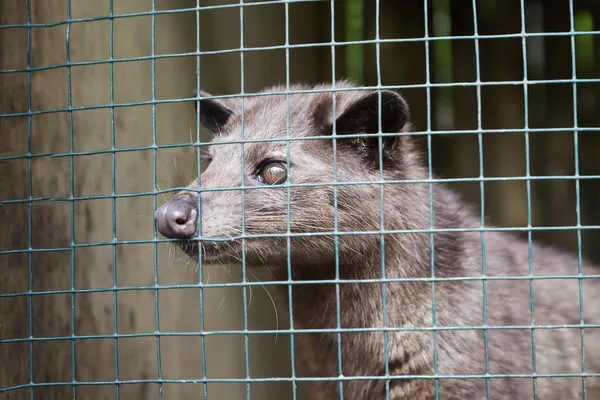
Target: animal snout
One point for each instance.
(177, 218)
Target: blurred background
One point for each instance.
(91, 307)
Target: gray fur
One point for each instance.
(407, 255)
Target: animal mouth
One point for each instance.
(209, 251)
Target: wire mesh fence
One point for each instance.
(97, 117)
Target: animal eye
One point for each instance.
(205, 158)
(273, 173)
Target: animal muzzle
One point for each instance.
(178, 218)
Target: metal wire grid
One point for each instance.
(333, 44)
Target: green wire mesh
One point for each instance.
(580, 39)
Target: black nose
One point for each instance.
(177, 218)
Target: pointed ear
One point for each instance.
(214, 113)
(362, 116)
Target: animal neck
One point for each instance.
(315, 301)
(404, 256)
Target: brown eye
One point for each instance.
(273, 173)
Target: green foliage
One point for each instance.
(354, 32)
(584, 44)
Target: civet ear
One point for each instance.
(362, 116)
(214, 113)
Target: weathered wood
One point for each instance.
(181, 357)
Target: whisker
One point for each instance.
(249, 301)
(220, 263)
(183, 255)
(220, 304)
(207, 272)
(272, 302)
(226, 270)
(163, 195)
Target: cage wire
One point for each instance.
(579, 39)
